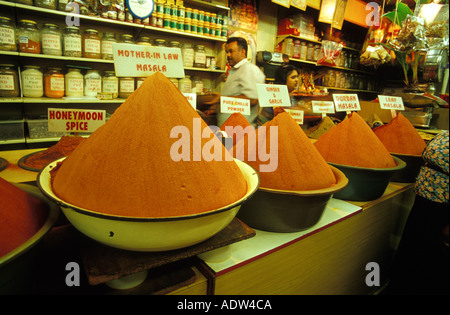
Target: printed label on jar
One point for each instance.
(92, 46)
(188, 58)
(107, 48)
(110, 86)
(93, 86)
(72, 44)
(6, 82)
(51, 41)
(32, 82)
(57, 84)
(200, 58)
(6, 35)
(127, 86)
(75, 85)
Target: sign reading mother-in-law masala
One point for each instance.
(141, 61)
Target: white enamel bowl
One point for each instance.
(149, 234)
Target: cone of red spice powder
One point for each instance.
(125, 167)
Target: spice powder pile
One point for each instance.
(300, 166)
(21, 216)
(353, 143)
(126, 168)
(400, 136)
(236, 120)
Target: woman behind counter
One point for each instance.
(286, 74)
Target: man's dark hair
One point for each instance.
(241, 42)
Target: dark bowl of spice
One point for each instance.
(364, 183)
(277, 210)
(411, 170)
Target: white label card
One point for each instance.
(230, 105)
(323, 107)
(391, 102)
(272, 95)
(75, 120)
(346, 102)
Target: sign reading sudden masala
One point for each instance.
(125, 168)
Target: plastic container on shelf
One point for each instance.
(9, 81)
(92, 83)
(48, 4)
(185, 84)
(74, 81)
(126, 86)
(303, 50)
(296, 49)
(110, 84)
(54, 83)
(8, 34)
(51, 37)
(199, 56)
(316, 52)
(32, 81)
(29, 37)
(310, 52)
(187, 53)
(288, 46)
(106, 45)
(72, 42)
(91, 44)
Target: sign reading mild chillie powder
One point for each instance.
(141, 61)
(75, 120)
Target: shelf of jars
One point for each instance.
(160, 22)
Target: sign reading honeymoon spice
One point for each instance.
(75, 120)
(141, 61)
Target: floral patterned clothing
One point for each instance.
(432, 182)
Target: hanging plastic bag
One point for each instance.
(375, 56)
(328, 53)
(435, 18)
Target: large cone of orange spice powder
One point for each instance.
(125, 167)
(400, 136)
(300, 166)
(353, 143)
(235, 121)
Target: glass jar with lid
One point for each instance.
(54, 83)
(127, 39)
(310, 52)
(7, 34)
(91, 44)
(160, 42)
(126, 86)
(144, 40)
(174, 44)
(32, 82)
(110, 84)
(316, 52)
(92, 83)
(342, 81)
(74, 83)
(288, 45)
(199, 56)
(9, 81)
(187, 53)
(29, 37)
(185, 84)
(51, 37)
(139, 81)
(48, 4)
(303, 51)
(72, 42)
(106, 45)
(331, 78)
(197, 85)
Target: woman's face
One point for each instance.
(292, 81)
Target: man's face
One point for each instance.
(234, 53)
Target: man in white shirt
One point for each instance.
(242, 79)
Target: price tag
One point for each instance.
(141, 60)
(230, 105)
(272, 95)
(326, 107)
(75, 120)
(297, 114)
(346, 102)
(192, 99)
(141, 9)
(391, 102)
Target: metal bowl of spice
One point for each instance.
(366, 184)
(145, 233)
(276, 210)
